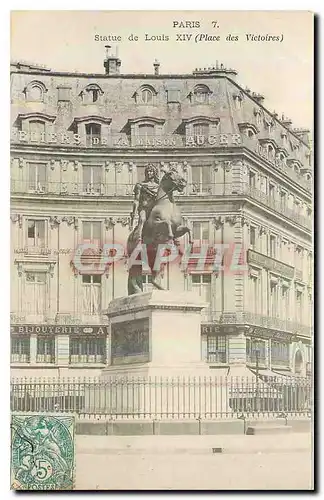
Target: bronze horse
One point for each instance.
(163, 225)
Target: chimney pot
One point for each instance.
(156, 65)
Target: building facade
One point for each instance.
(80, 142)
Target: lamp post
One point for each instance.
(257, 400)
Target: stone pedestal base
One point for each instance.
(155, 365)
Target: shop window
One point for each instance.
(87, 350)
(45, 350)
(216, 349)
(279, 354)
(20, 349)
(255, 351)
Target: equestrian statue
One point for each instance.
(159, 222)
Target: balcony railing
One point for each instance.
(53, 318)
(258, 320)
(275, 205)
(101, 189)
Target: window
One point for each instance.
(36, 130)
(238, 100)
(201, 94)
(272, 246)
(36, 293)
(271, 152)
(201, 179)
(255, 351)
(87, 350)
(200, 231)
(140, 173)
(201, 285)
(20, 350)
(254, 295)
(37, 177)
(91, 94)
(273, 300)
(271, 192)
(285, 301)
(258, 117)
(35, 91)
(253, 237)
(93, 133)
(91, 288)
(91, 232)
(45, 350)
(216, 349)
(92, 179)
(147, 283)
(200, 130)
(279, 354)
(147, 96)
(252, 180)
(299, 304)
(283, 200)
(36, 233)
(249, 132)
(146, 131)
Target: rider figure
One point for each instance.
(144, 196)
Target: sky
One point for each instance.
(281, 71)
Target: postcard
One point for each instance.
(162, 251)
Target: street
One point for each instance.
(187, 462)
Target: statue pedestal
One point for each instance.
(155, 364)
(155, 334)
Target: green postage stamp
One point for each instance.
(42, 452)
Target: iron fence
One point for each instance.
(166, 398)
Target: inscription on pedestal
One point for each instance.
(130, 342)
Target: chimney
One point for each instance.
(286, 122)
(111, 63)
(302, 133)
(156, 65)
(258, 97)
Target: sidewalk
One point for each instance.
(293, 442)
(188, 463)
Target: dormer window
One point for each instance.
(238, 100)
(36, 128)
(271, 152)
(146, 130)
(200, 129)
(145, 95)
(95, 129)
(35, 91)
(258, 117)
(201, 94)
(93, 133)
(91, 94)
(248, 129)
